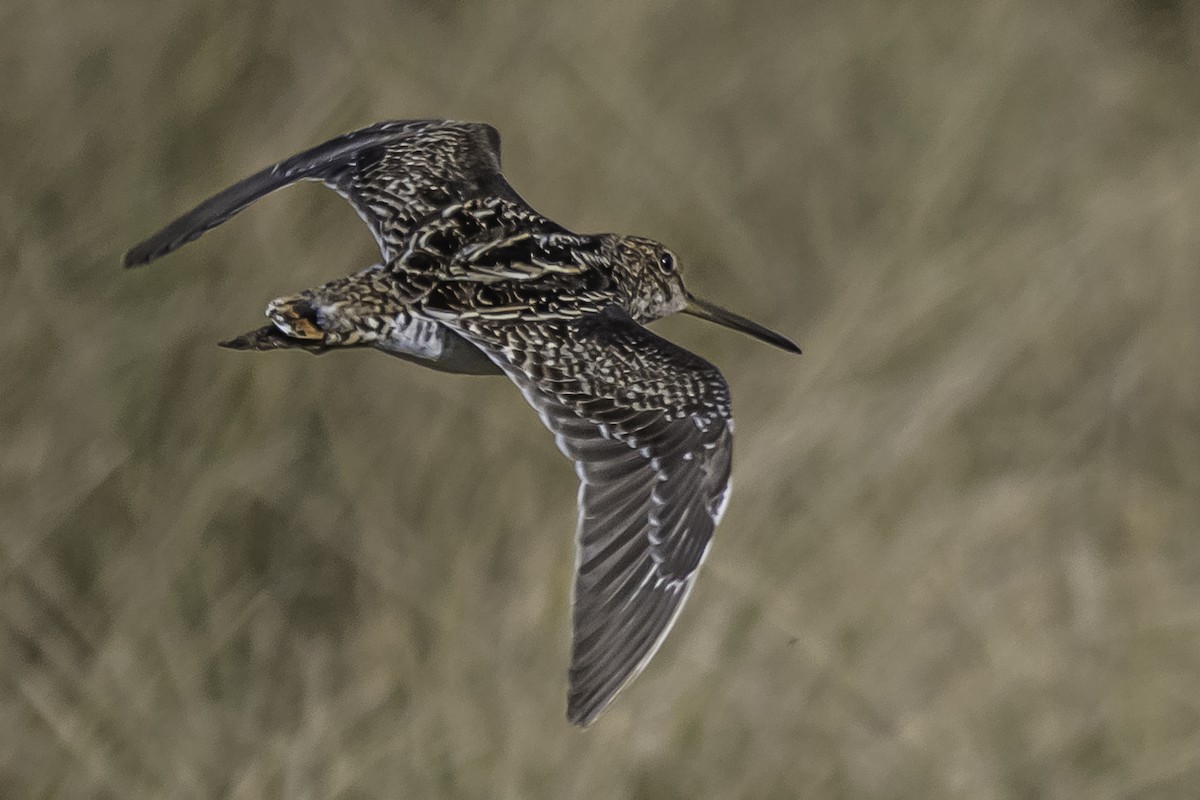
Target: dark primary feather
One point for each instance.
(394, 173)
(648, 426)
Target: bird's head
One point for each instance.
(651, 271)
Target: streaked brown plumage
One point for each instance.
(472, 280)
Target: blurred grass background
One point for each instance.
(962, 557)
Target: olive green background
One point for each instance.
(962, 557)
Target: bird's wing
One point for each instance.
(395, 174)
(648, 426)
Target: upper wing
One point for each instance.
(648, 426)
(394, 173)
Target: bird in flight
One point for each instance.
(473, 280)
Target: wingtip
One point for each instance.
(580, 715)
(585, 707)
(139, 255)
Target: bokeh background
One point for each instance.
(962, 558)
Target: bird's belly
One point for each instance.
(432, 344)
(414, 336)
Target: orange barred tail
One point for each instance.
(297, 316)
(269, 337)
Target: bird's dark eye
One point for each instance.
(666, 262)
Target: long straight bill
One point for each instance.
(714, 313)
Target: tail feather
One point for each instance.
(269, 337)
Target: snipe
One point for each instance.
(472, 280)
